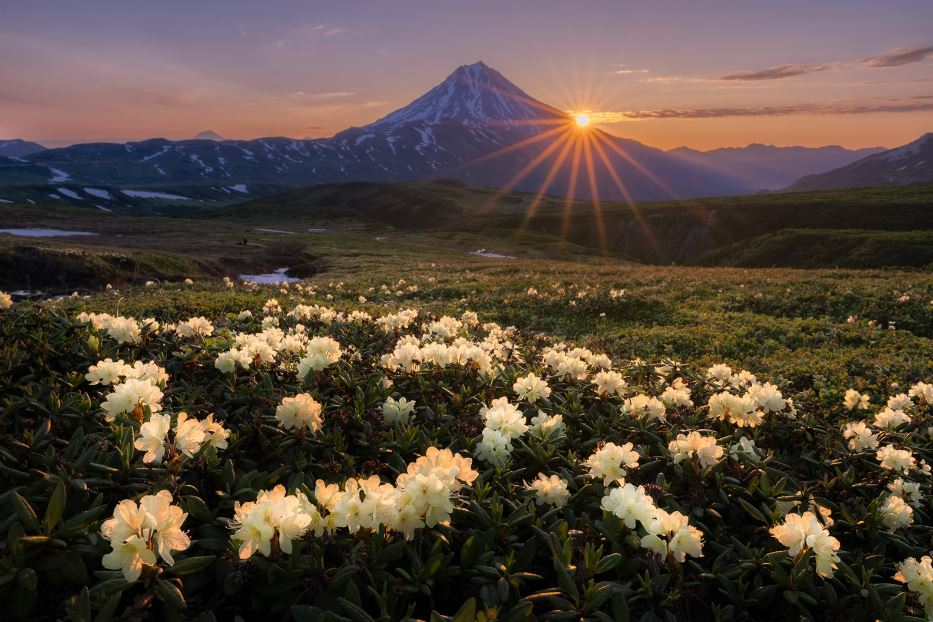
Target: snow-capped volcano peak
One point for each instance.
(474, 95)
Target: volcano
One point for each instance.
(476, 126)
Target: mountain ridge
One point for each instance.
(911, 163)
(475, 126)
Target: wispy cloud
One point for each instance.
(321, 29)
(898, 57)
(325, 95)
(893, 58)
(776, 73)
(898, 104)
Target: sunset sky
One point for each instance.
(702, 74)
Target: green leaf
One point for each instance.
(467, 612)
(608, 562)
(355, 611)
(53, 511)
(25, 512)
(170, 593)
(190, 565)
(752, 511)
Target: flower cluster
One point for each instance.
(299, 412)
(421, 497)
(665, 533)
(139, 531)
(801, 532)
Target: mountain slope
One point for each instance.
(909, 164)
(18, 148)
(475, 126)
(766, 167)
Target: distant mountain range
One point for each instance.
(208, 135)
(766, 167)
(475, 126)
(909, 164)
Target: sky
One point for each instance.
(667, 73)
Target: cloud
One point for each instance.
(325, 95)
(775, 73)
(890, 105)
(898, 57)
(894, 58)
(321, 29)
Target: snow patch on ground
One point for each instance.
(274, 230)
(43, 233)
(145, 194)
(239, 188)
(71, 194)
(59, 176)
(5, 201)
(489, 254)
(99, 193)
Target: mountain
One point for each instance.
(476, 126)
(909, 164)
(18, 148)
(766, 167)
(208, 135)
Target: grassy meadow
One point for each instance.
(418, 432)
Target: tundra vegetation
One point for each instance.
(479, 440)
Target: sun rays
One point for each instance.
(572, 157)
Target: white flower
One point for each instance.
(130, 394)
(898, 460)
(107, 371)
(918, 575)
(686, 446)
(551, 490)
(321, 352)
(719, 374)
(124, 330)
(890, 418)
(494, 447)
(609, 383)
(138, 531)
(745, 447)
(274, 513)
(767, 397)
(546, 426)
(677, 394)
(611, 462)
(860, 436)
(505, 418)
(901, 401)
(742, 411)
(632, 505)
(908, 491)
(6, 301)
(152, 437)
(531, 388)
(645, 407)
(245, 314)
(189, 435)
(397, 411)
(195, 327)
(896, 513)
(804, 531)
(215, 433)
(923, 392)
(854, 400)
(299, 412)
(681, 538)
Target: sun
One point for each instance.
(583, 119)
